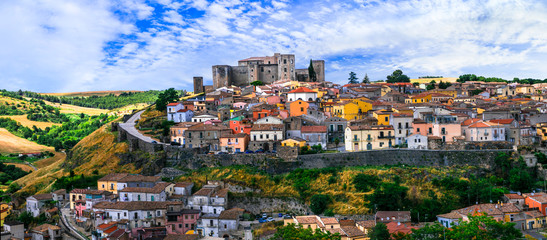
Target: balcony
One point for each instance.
(355, 139)
(369, 139)
(444, 133)
(486, 134)
(386, 137)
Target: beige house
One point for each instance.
(362, 137)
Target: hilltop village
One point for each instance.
(264, 106)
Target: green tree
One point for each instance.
(365, 182)
(429, 232)
(352, 78)
(291, 232)
(168, 96)
(257, 83)
(520, 179)
(366, 79)
(319, 202)
(541, 157)
(431, 85)
(379, 232)
(397, 76)
(336, 142)
(388, 197)
(484, 227)
(476, 92)
(311, 72)
(444, 85)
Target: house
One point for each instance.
(482, 131)
(402, 126)
(400, 228)
(209, 199)
(46, 231)
(205, 135)
(15, 229)
(36, 203)
(293, 142)
(266, 136)
(160, 192)
(417, 141)
(362, 137)
(234, 143)
(298, 108)
(228, 222)
(5, 211)
(392, 216)
(177, 131)
(447, 132)
(536, 200)
(269, 120)
(335, 128)
(136, 180)
(208, 225)
(315, 135)
(83, 200)
(240, 125)
(513, 198)
(181, 115)
(383, 116)
(203, 118)
(110, 182)
(302, 93)
(351, 110)
(501, 212)
(60, 197)
(182, 221)
(183, 188)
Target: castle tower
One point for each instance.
(198, 85)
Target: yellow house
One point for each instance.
(420, 98)
(320, 93)
(452, 93)
(542, 131)
(5, 211)
(363, 137)
(407, 111)
(525, 89)
(383, 116)
(293, 142)
(354, 109)
(110, 182)
(534, 219)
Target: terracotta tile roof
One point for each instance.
(184, 110)
(207, 127)
(90, 191)
(182, 237)
(513, 196)
(44, 228)
(172, 104)
(302, 90)
(470, 121)
(347, 222)
(540, 198)
(314, 129)
(267, 127)
(183, 184)
(110, 230)
(140, 178)
(366, 223)
(502, 121)
(222, 193)
(509, 208)
(482, 124)
(395, 227)
(451, 215)
(204, 192)
(116, 234)
(352, 231)
(534, 214)
(105, 225)
(306, 219)
(329, 220)
(231, 214)
(45, 196)
(113, 177)
(336, 230)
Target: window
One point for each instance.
(386, 119)
(400, 125)
(191, 216)
(261, 136)
(430, 131)
(417, 129)
(284, 61)
(285, 70)
(301, 109)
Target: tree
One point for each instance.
(336, 142)
(168, 96)
(291, 232)
(352, 78)
(379, 232)
(444, 85)
(319, 202)
(520, 179)
(397, 76)
(365, 182)
(366, 79)
(429, 232)
(388, 197)
(484, 227)
(431, 85)
(311, 72)
(541, 157)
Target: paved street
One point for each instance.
(129, 126)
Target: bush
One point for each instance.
(365, 182)
(319, 202)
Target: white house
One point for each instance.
(46, 231)
(315, 135)
(209, 199)
(228, 222)
(269, 120)
(302, 93)
(267, 132)
(154, 194)
(417, 141)
(208, 224)
(203, 118)
(182, 115)
(402, 126)
(138, 214)
(482, 131)
(183, 188)
(36, 203)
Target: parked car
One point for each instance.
(220, 153)
(264, 215)
(259, 151)
(280, 215)
(261, 220)
(270, 219)
(154, 142)
(274, 151)
(175, 143)
(287, 216)
(249, 151)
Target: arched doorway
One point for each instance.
(265, 147)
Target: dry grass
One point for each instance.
(129, 109)
(23, 120)
(67, 108)
(10, 143)
(88, 94)
(22, 166)
(12, 101)
(40, 181)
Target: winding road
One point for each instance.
(129, 127)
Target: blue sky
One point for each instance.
(66, 45)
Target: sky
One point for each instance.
(85, 45)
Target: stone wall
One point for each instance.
(257, 205)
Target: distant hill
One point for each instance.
(10, 143)
(90, 93)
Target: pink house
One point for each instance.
(79, 207)
(446, 131)
(272, 100)
(233, 143)
(183, 221)
(239, 105)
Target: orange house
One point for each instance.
(234, 143)
(240, 125)
(537, 200)
(263, 113)
(298, 108)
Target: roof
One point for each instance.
(232, 214)
(173, 104)
(502, 121)
(374, 127)
(482, 124)
(182, 237)
(395, 227)
(329, 220)
(140, 178)
(352, 231)
(204, 192)
(267, 127)
(113, 177)
(44, 228)
(302, 90)
(41, 197)
(117, 234)
(366, 223)
(314, 129)
(90, 191)
(183, 184)
(540, 198)
(132, 206)
(451, 215)
(513, 196)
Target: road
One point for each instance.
(65, 224)
(129, 127)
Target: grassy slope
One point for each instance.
(95, 152)
(67, 108)
(346, 199)
(23, 120)
(87, 94)
(10, 143)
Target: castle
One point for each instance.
(265, 69)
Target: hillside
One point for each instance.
(10, 143)
(98, 151)
(67, 108)
(89, 93)
(23, 120)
